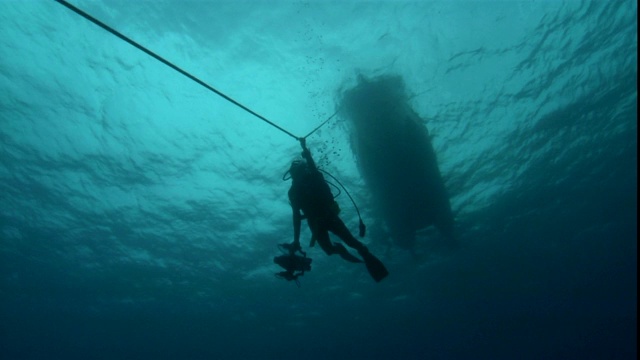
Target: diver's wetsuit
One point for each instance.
(311, 195)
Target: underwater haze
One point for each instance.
(140, 213)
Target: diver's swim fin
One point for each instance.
(376, 268)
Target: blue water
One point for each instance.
(139, 213)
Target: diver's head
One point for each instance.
(297, 169)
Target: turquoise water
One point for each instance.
(140, 213)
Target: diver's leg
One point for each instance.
(345, 254)
(376, 268)
(336, 226)
(322, 237)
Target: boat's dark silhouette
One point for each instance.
(396, 158)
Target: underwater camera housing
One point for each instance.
(293, 264)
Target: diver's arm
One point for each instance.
(307, 155)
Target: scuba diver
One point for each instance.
(311, 199)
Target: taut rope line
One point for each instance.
(176, 68)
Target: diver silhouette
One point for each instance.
(311, 199)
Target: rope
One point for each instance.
(174, 67)
(321, 125)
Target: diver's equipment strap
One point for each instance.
(362, 227)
